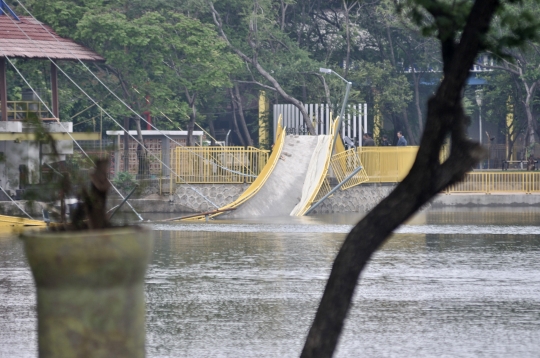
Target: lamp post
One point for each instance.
(479, 98)
(345, 99)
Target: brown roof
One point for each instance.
(14, 41)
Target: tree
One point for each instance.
(258, 40)
(524, 69)
(198, 61)
(387, 88)
(461, 28)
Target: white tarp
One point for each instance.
(315, 172)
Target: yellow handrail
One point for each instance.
(344, 163)
(387, 164)
(206, 165)
(497, 182)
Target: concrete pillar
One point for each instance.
(166, 155)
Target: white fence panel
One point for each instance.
(353, 127)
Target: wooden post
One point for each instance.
(3, 88)
(54, 90)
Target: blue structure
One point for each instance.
(5, 10)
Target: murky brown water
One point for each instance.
(462, 283)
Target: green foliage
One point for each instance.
(170, 51)
(380, 80)
(124, 181)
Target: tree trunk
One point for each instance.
(283, 13)
(243, 124)
(530, 125)
(408, 130)
(326, 91)
(288, 98)
(212, 131)
(191, 125)
(391, 45)
(348, 40)
(126, 144)
(426, 179)
(139, 131)
(530, 138)
(192, 117)
(235, 122)
(416, 79)
(142, 152)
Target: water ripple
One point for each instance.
(344, 229)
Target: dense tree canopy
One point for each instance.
(194, 61)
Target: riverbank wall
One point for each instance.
(197, 198)
(201, 197)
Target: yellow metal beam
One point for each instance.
(56, 136)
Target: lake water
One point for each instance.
(449, 283)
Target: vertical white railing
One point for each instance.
(353, 126)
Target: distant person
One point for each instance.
(402, 142)
(368, 141)
(385, 142)
(531, 163)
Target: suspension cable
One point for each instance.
(17, 205)
(107, 113)
(114, 94)
(65, 129)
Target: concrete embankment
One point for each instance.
(358, 199)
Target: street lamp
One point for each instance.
(479, 98)
(345, 99)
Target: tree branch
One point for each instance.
(255, 63)
(256, 83)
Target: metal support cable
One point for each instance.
(114, 120)
(65, 129)
(114, 94)
(14, 202)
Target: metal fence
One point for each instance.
(147, 165)
(354, 123)
(343, 164)
(392, 164)
(387, 164)
(207, 165)
(497, 182)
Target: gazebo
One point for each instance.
(25, 37)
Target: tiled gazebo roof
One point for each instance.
(14, 42)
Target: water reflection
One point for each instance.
(445, 285)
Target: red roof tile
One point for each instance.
(14, 41)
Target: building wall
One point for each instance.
(15, 154)
(159, 146)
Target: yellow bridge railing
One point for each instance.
(387, 164)
(208, 165)
(343, 164)
(497, 182)
(392, 164)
